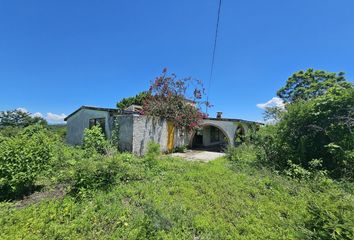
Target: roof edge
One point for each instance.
(93, 108)
(234, 120)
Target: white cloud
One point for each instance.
(37, 114)
(52, 117)
(21, 109)
(274, 102)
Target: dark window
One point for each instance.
(98, 121)
(214, 134)
(198, 138)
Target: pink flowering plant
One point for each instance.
(178, 100)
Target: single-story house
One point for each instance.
(135, 131)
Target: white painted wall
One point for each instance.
(77, 123)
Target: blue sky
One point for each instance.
(58, 55)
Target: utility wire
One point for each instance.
(213, 56)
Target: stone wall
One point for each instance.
(146, 129)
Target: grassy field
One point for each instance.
(171, 199)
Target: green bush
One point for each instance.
(2, 139)
(315, 129)
(22, 158)
(94, 139)
(153, 151)
(94, 174)
(101, 173)
(180, 149)
(243, 155)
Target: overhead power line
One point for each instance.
(213, 55)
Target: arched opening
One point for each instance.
(240, 135)
(209, 138)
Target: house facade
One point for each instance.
(135, 131)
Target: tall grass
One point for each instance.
(125, 197)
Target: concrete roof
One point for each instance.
(233, 120)
(111, 110)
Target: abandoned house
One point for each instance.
(135, 131)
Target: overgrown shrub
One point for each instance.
(22, 158)
(316, 129)
(243, 155)
(102, 172)
(180, 149)
(152, 154)
(94, 139)
(92, 174)
(329, 218)
(2, 139)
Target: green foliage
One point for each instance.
(94, 174)
(19, 118)
(321, 128)
(153, 153)
(9, 131)
(119, 198)
(59, 129)
(136, 100)
(22, 158)
(242, 156)
(273, 114)
(314, 172)
(94, 140)
(309, 84)
(330, 219)
(180, 149)
(115, 134)
(329, 214)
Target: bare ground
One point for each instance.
(199, 155)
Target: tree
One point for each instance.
(273, 114)
(137, 100)
(168, 99)
(19, 118)
(309, 84)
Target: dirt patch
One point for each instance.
(58, 192)
(199, 155)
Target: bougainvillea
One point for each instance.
(177, 100)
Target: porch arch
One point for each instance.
(225, 134)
